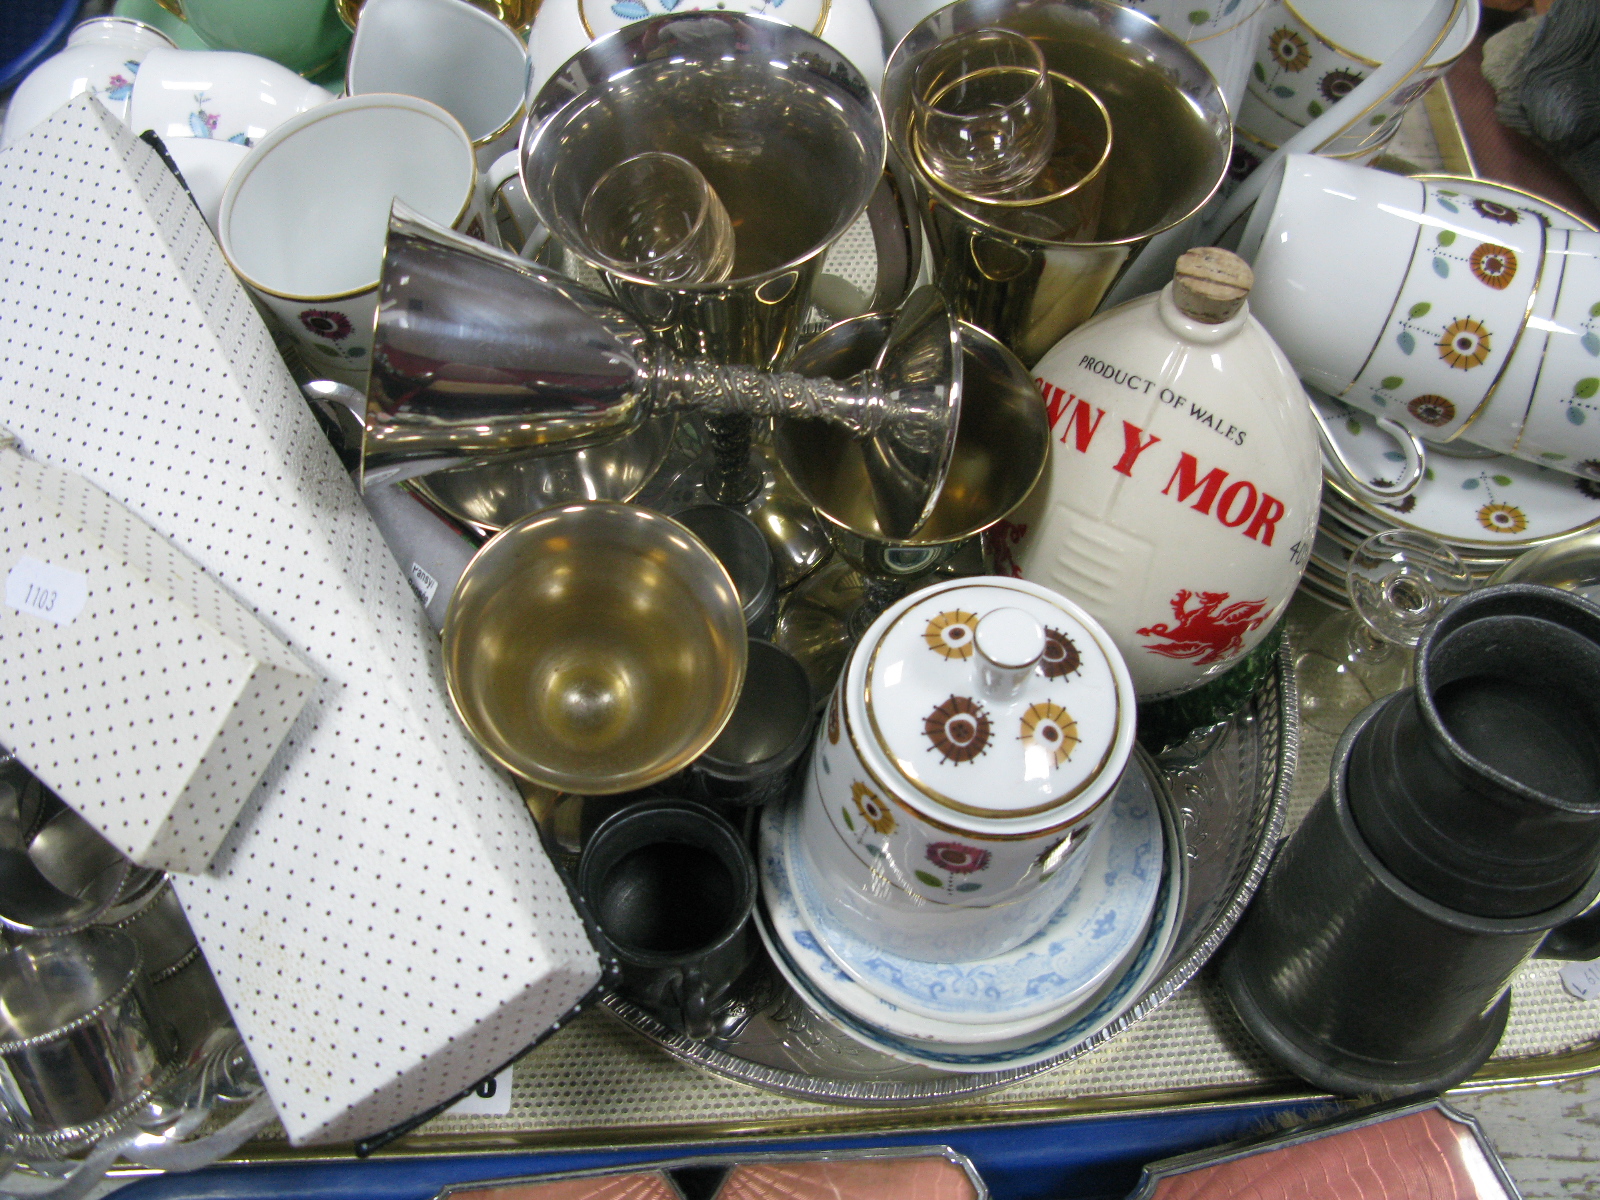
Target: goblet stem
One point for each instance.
(732, 479)
(878, 592)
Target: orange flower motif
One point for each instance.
(1494, 265)
(871, 808)
(1465, 344)
(1050, 727)
(1289, 50)
(1502, 518)
(951, 633)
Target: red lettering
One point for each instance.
(1185, 476)
(1132, 447)
(1266, 519)
(1078, 424)
(1226, 505)
(1055, 400)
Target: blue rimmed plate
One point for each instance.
(1086, 943)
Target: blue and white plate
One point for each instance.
(809, 970)
(1085, 944)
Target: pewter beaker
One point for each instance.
(1029, 275)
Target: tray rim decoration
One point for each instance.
(858, 1121)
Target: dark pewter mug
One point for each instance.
(753, 760)
(671, 887)
(1457, 838)
(1480, 786)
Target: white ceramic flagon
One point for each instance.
(1181, 499)
(960, 771)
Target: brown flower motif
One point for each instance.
(1465, 344)
(1494, 265)
(1289, 50)
(833, 718)
(1432, 410)
(958, 728)
(1338, 84)
(1490, 211)
(871, 808)
(1050, 727)
(1587, 487)
(951, 633)
(1061, 657)
(1502, 518)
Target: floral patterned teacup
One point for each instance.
(1421, 323)
(960, 770)
(304, 217)
(1313, 53)
(1224, 35)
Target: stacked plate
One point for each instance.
(1102, 949)
(1487, 507)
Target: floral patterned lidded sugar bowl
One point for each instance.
(960, 771)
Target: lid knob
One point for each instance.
(1211, 284)
(1010, 644)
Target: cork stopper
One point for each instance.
(1211, 284)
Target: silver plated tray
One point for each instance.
(1231, 786)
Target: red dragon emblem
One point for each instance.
(1000, 540)
(1206, 632)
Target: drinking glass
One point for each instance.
(984, 112)
(654, 215)
(1398, 580)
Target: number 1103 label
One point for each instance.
(48, 592)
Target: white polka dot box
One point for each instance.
(140, 691)
(381, 919)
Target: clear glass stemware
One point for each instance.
(1397, 580)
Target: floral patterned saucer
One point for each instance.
(808, 969)
(1468, 502)
(1090, 936)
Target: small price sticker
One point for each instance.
(425, 584)
(491, 1098)
(1582, 979)
(48, 592)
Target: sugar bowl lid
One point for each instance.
(997, 698)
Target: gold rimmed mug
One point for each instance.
(304, 217)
